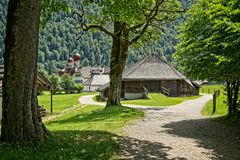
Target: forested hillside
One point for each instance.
(61, 39)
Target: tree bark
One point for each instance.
(21, 120)
(235, 97)
(229, 99)
(118, 60)
(232, 97)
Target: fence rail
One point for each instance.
(208, 90)
(165, 91)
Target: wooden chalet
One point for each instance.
(152, 74)
(43, 84)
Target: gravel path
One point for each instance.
(179, 132)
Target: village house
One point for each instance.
(152, 74)
(90, 77)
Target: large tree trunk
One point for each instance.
(21, 120)
(118, 60)
(229, 99)
(232, 97)
(235, 97)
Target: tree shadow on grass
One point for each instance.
(66, 145)
(223, 140)
(85, 145)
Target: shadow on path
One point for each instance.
(135, 149)
(223, 140)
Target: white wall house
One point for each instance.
(95, 82)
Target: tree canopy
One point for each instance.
(61, 38)
(126, 22)
(209, 47)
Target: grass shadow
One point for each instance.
(66, 145)
(87, 145)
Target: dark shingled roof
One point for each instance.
(151, 68)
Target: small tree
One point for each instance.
(67, 83)
(55, 80)
(78, 88)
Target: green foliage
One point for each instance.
(67, 83)
(209, 47)
(143, 19)
(78, 88)
(55, 81)
(84, 133)
(60, 38)
(51, 6)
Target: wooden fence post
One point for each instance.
(51, 101)
(215, 95)
(214, 103)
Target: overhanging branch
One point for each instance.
(101, 28)
(86, 27)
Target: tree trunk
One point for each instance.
(118, 60)
(235, 97)
(232, 97)
(229, 99)
(21, 120)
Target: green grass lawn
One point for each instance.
(155, 99)
(221, 108)
(60, 101)
(211, 88)
(84, 134)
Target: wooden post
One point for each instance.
(215, 95)
(214, 103)
(51, 101)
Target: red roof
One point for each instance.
(76, 57)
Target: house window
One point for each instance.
(78, 75)
(78, 81)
